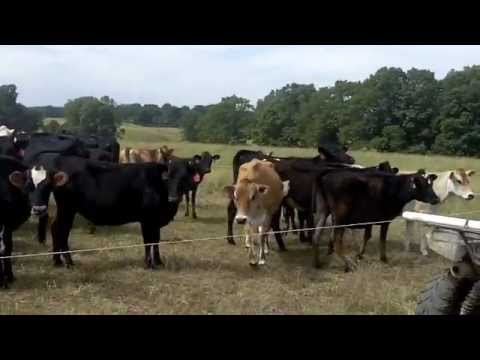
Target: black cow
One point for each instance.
(203, 165)
(358, 196)
(108, 194)
(301, 183)
(14, 210)
(99, 146)
(51, 145)
(14, 145)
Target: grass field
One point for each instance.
(212, 277)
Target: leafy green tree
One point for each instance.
(276, 115)
(229, 121)
(89, 115)
(15, 115)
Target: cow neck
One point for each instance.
(441, 185)
(400, 191)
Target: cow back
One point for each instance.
(263, 173)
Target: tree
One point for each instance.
(229, 121)
(276, 115)
(89, 115)
(14, 115)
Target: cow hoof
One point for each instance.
(261, 262)
(282, 249)
(194, 217)
(58, 264)
(10, 278)
(253, 264)
(231, 242)
(424, 253)
(384, 260)
(359, 257)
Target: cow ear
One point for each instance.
(395, 170)
(263, 189)
(452, 175)
(286, 187)
(470, 172)
(18, 179)
(229, 191)
(60, 179)
(421, 172)
(324, 153)
(216, 157)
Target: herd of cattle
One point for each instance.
(89, 175)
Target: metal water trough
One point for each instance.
(450, 237)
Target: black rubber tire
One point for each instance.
(444, 295)
(471, 304)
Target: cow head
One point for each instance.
(40, 183)
(204, 162)
(459, 183)
(180, 175)
(247, 197)
(422, 187)
(334, 153)
(165, 153)
(386, 167)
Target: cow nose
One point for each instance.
(38, 210)
(470, 196)
(241, 220)
(173, 198)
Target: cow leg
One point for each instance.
(301, 224)
(252, 231)
(309, 218)
(231, 210)
(7, 240)
(423, 241)
(187, 203)
(42, 228)
(91, 228)
(6, 273)
(61, 228)
(194, 202)
(409, 232)
(338, 239)
(317, 236)
(276, 228)
(367, 235)
(383, 242)
(151, 235)
(247, 241)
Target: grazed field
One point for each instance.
(212, 277)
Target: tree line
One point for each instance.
(391, 111)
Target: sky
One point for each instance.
(203, 74)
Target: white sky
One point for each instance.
(201, 74)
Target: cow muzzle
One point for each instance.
(39, 210)
(469, 196)
(241, 220)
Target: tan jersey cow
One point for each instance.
(258, 194)
(160, 155)
(452, 182)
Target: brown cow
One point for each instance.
(258, 194)
(160, 155)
